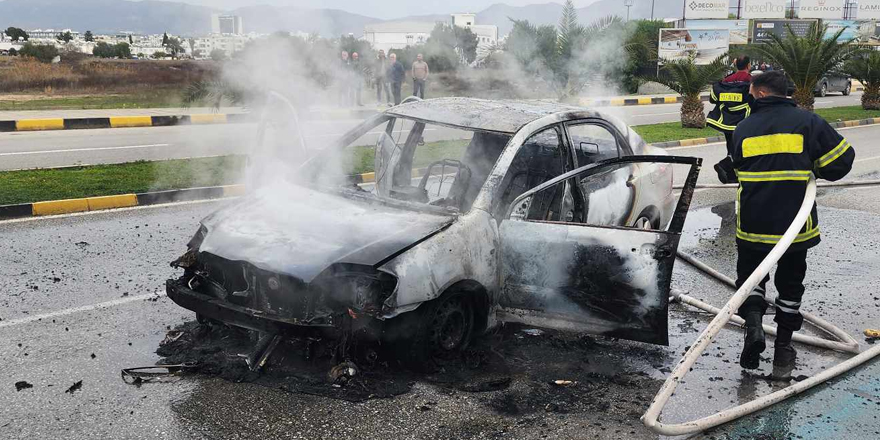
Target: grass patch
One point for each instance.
(672, 131)
(103, 180)
(156, 99)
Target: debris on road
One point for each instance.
(533, 332)
(342, 373)
(565, 383)
(75, 387)
(140, 375)
(22, 385)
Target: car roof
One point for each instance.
(500, 116)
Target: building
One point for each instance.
(226, 42)
(49, 34)
(397, 34)
(487, 34)
(227, 24)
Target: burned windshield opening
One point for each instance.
(414, 161)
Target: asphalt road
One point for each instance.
(83, 299)
(88, 147)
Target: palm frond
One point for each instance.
(686, 77)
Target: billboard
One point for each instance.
(869, 10)
(763, 8)
(761, 29)
(739, 29)
(862, 31)
(704, 44)
(706, 9)
(829, 9)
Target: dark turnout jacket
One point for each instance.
(775, 151)
(732, 102)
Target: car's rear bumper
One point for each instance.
(233, 314)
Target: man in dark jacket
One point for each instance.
(776, 150)
(396, 75)
(732, 104)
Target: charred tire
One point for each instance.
(441, 330)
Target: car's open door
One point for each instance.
(604, 279)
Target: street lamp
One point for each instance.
(628, 4)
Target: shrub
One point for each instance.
(41, 52)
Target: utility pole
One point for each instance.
(628, 4)
(652, 10)
(739, 7)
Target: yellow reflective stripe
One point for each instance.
(772, 176)
(732, 97)
(748, 111)
(773, 239)
(712, 92)
(739, 107)
(832, 155)
(719, 124)
(773, 144)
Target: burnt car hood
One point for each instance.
(299, 231)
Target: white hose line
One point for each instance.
(848, 183)
(651, 417)
(844, 343)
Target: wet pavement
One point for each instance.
(60, 268)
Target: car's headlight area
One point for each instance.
(357, 289)
(190, 259)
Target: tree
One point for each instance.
(13, 52)
(17, 34)
(165, 39)
(89, 37)
(122, 50)
(45, 53)
(806, 59)
(218, 55)
(642, 40)
(866, 69)
(104, 50)
(174, 48)
(65, 37)
(689, 79)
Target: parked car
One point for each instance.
(833, 82)
(543, 214)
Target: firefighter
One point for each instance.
(732, 104)
(775, 151)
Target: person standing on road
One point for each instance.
(776, 150)
(732, 104)
(420, 74)
(396, 74)
(382, 78)
(343, 77)
(357, 78)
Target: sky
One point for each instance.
(384, 9)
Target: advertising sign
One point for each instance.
(763, 8)
(831, 9)
(706, 9)
(761, 29)
(739, 29)
(862, 31)
(869, 10)
(704, 44)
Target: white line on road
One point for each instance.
(78, 150)
(89, 308)
(114, 211)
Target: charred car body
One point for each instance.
(549, 215)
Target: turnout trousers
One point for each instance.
(789, 281)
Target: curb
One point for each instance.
(627, 102)
(56, 207)
(158, 121)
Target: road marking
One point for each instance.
(867, 159)
(644, 115)
(79, 150)
(686, 147)
(89, 308)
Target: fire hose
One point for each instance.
(726, 314)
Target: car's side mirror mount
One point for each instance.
(589, 149)
(519, 209)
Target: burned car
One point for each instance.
(480, 212)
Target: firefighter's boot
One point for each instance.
(754, 341)
(784, 355)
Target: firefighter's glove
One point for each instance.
(726, 173)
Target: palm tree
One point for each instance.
(688, 79)
(805, 59)
(866, 69)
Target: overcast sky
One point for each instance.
(385, 9)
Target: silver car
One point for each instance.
(480, 212)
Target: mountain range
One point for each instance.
(153, 16)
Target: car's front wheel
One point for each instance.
(438, 331)
(823, 91)
(848, 89)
